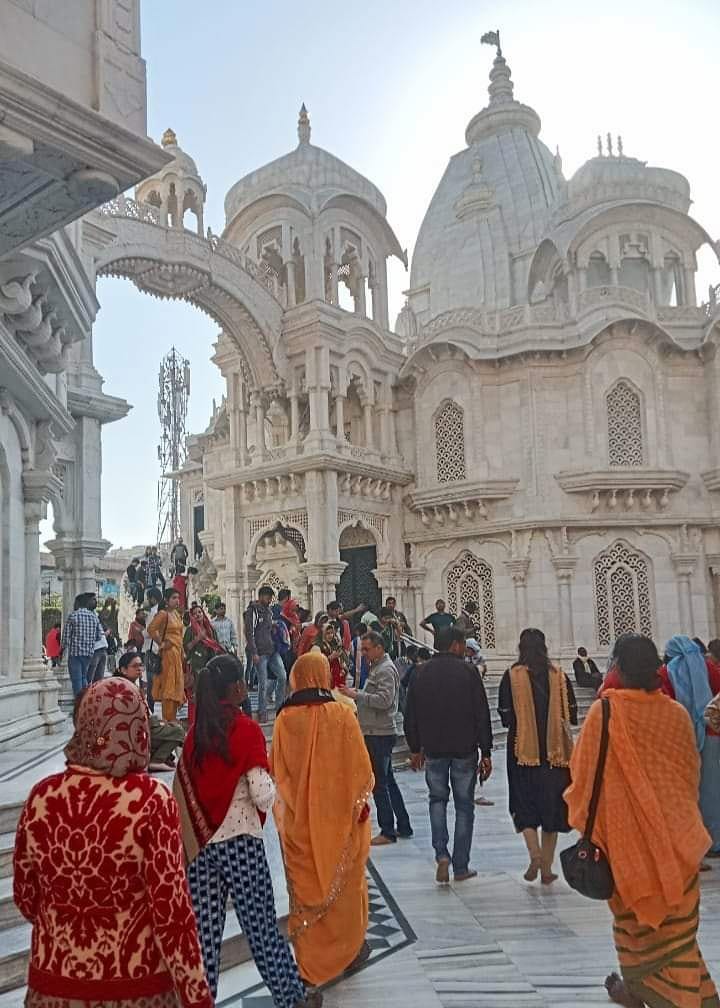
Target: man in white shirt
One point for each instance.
(224, 629)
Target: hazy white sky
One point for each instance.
(390, 88)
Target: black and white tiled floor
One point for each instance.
(388, 932)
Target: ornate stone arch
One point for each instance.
(470, 579)
(622, 581)
(293, 531)
(211, 274)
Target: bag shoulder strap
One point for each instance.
(599, 770)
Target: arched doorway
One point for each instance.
(358, 549)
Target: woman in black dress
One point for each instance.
(537, 704)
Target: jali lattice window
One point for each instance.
(622, 594)
(471, 580)
(450, 443)
(625, 434)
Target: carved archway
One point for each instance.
(207, 273)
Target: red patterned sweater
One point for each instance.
(99, 872)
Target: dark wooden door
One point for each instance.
(358, 583)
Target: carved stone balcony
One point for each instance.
(624, 489)
(450, 503)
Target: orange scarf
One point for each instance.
(648, 822)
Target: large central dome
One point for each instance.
(489, 212)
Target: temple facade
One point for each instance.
(538, 432)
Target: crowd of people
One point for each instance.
(336, 684)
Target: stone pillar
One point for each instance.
(684, 564)
(340, 418)
(582, 278)
(242, 429)
(256, 402)
(518, 568)
(317, 377)
(564, 568)
(290, 268)
(714, 570)
(294, 414)
(689, 295)
(368, 418)
(385, 447)
(35, 511)
(324, 578)
(360, 306)
(334, 293)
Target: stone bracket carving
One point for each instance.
(627, 490)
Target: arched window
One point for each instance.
(598, 274)
(450, 443)
(625, 429)
(471, 580)
(622, 594)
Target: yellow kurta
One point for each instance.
(166, 629)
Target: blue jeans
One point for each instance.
(462, 774)
(78, 667)
(389, 802)
(266, 687)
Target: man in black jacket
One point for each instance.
(447, 720)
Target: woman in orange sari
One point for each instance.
(324, 779)
(652, 766)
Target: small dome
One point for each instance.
(308, 174)
(617, 177)
(177, 187)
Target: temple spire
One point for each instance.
(501, 86)
(304, 125)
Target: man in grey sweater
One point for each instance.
(377, 705)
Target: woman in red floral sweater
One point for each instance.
(99, 871)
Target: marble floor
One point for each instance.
(492, 942)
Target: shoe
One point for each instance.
(618, 992)
(533, 870)
(463, 876)
(312, 999)
(442, 875)
(381, 840)
(705, 867)
(483, 801)
(410, 835)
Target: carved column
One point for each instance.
(34, 510)
(684, 564)
(368, 418)
(564, 569)
(360, 306)
(340, 418)
(256, 401)
(714, 569)
(518, 568)
(290, 267)
(294, 414)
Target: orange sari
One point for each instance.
(324, 779)
(649, 826)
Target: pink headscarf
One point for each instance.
(112, 732)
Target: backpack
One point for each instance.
(281, 637)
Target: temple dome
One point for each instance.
(307, 175)
(489, 212)
(616, 177)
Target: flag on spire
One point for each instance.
(492, 38)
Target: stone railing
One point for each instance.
(265, 275)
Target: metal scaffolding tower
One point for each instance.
(173, 394)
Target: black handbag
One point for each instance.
(585, 865)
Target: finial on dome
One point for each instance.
(501, 85)
(169, 139)
(303, 125)
(620, 146)
(600, 152)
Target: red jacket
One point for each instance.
(99, 872)
(53, 647)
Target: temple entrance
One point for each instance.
(357, 583)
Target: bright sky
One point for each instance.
(390, 88)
